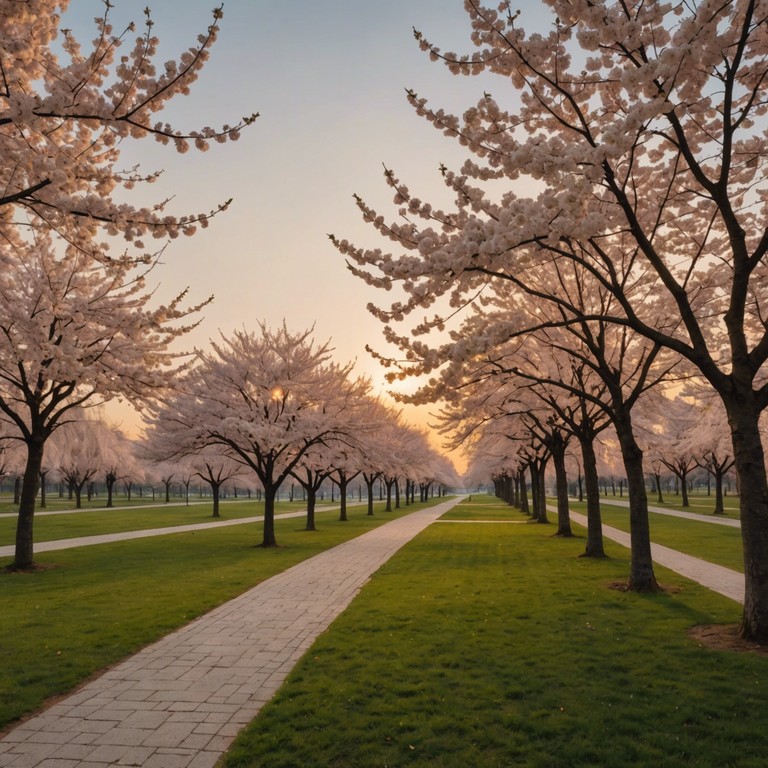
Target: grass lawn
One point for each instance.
(714, 543)
(699, 502)
(496, 645)
(90, 522)
(95, 605)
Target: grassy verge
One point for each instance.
(699, 503)
(95, 605)
(711, 542)
(87, 522)
(496, 645)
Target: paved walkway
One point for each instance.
(107, 538)
(699, 518)
(180, 702)
(715, 577)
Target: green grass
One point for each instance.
(90, 522)
(699, 502)
(496, 645)
(95, 605)
(714, 543)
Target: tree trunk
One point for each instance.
(657, 479)
(524, 507)
(749, 458)
(719, 505)
(270, 492)
(561, 483)
(343, 482)
(542, 516)
(389, 483)
(24, 555)
(641, 575)
(311, 499)
(43, 502)
(369, 488)
(535, 491)
(594, 546)
(216, 493)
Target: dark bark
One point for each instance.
(43, 502)
(389, 483)
(216, 493)
(109, 482)
(557, 446)
(369, 482)
(524, 506)
(343, 483)
(749, 459)
(641, 575)
(594, 546)
(270, 492)
(538, 491)
(24, 553)
(311, 501)
(657, 480)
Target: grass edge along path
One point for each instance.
(93, 606)
(497, 645)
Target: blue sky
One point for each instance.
(329, 79)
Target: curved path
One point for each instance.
(180, 702)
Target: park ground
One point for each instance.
(485, 642)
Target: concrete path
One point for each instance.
(715, 577)
(107, 538)
(732, 522)
(180, 702)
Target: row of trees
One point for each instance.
(86, 454)
(77, 321)
(275, 403)
(608, 236)
(78, 324)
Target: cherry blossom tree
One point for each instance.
(80, 449)
(264, 399)
(642, 124)
(215, 469)
(677, 420)
(73, 332)
(66, 110)
(311, 472)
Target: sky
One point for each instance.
(328, 78)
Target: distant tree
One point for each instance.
(80, 452)
(264, 399)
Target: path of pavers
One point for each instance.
(107, 538)
(715, 577)
(180, 702)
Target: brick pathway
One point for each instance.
(180, 702)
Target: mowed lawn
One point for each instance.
(92, 606)
(496, 645)
(68, 523)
